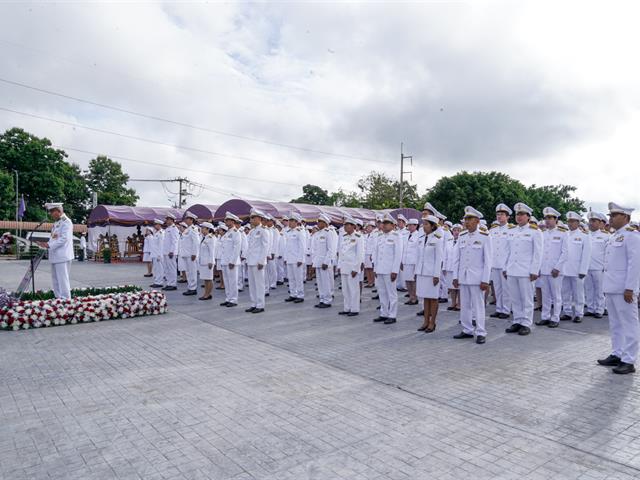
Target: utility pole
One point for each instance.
(402, 172)
(182, 193)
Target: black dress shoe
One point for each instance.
(514, 328)
(377, 297)
(190, 292)
(230, 304)
(289, 299)
(415, 302)
(249, 310)
(298, 300)
(323, 305)
(181, 281)
(171, 288)
(422, 329)
(401, 289)
(480, 339)
(389, 321)
(353, 314)
(266, 294)
(495, 315)
(577, 320)
(564, 318)
(504, 316)
(473, 322)
(605, 313)
(206, 298)
(343, 312)
(420, 313)
(379, 319)
(597, 315)
(279, 283)
(378, 307)
(524, 331)
(589, 314)
(155, 285)
(610, 361)
(624, 368)
(258, 310)
(406, 296)
(443, 300)
(542, 322)
(462, 335)
(148, 275)
(451, 308)
(224, 304)
(552, 324)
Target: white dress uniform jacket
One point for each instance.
(61, 243)
(554, 253)
(259, 242)
(323, 248)
(170, 240)
(388, 253)
(472, 258)
(578, 253)
(350, 259)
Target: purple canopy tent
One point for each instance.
(202, 211)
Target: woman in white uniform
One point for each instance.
(428, 268)
(206, 259)
(146, 250)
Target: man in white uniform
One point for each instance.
(409, 259)
(621, 283)
(350, 263)
(60, 250)
(189, 251)
(258, 244)
(230, 245)
(575, 269)
(323, 255)
(386, 267)
(499, 238)
(471, 273)
(593, 283)
(169, 253)
(157, 263)
(295, 253)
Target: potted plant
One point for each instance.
(106, 255)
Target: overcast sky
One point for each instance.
(548, 92)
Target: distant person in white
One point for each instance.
(60, 250)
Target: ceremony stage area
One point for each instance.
(206, 392)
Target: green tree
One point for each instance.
(556, 196)
(44, 174)
(7, 195)
(313, 195)
(106, 178)
(340, 198)
(379, 191)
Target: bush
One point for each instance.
(81, 292)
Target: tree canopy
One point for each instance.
(106, 178)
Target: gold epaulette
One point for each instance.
(483, 232)
(437, 235)
(630, 229)
(494, 226)
(534, 226)
(464, 232)
(512, 226)
(561, 228)
(604, 230)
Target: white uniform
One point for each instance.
(230, 245)
(146, 248)
(404, 235)
(282, 269)
(190, 245)
(181, 264)
(387, 261)
(447, 260)
(352, 251)
(243, 272)
(499, 239)
(471, 267)
(622, 272)
(523, 259)
(577, 264)
(323, 252)
(259, 241)
(206, 256)
(170, 246)
(429, 260)
(410, 256)
(157, 260)
(554, 256)
(271, 276)
(295, 252)
(369, 247)
(60, 256)
(593, 282)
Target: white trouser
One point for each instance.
(296, 276)
(230, 279)
(401, 281)
(323, 277)
(387, 290)
(158, 270)
(272, 273)
(60, 279)
(503, 305)
(191, 269)
(551, 296)
(243, 274)
(593, 291)
(623, 326)
(170, 266)
(443, 289)
(472, 308)
(351, 292)
(256, 286)
(282, 270)
(573, 296)
(521, 297)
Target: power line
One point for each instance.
(187, 125)
(172, 145)
(127, 159)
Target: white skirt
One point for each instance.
(409, 273)
(206, 273)
(146, 256)
(425, 287)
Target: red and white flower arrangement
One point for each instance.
(46, 313)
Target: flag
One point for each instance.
(21, 207)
